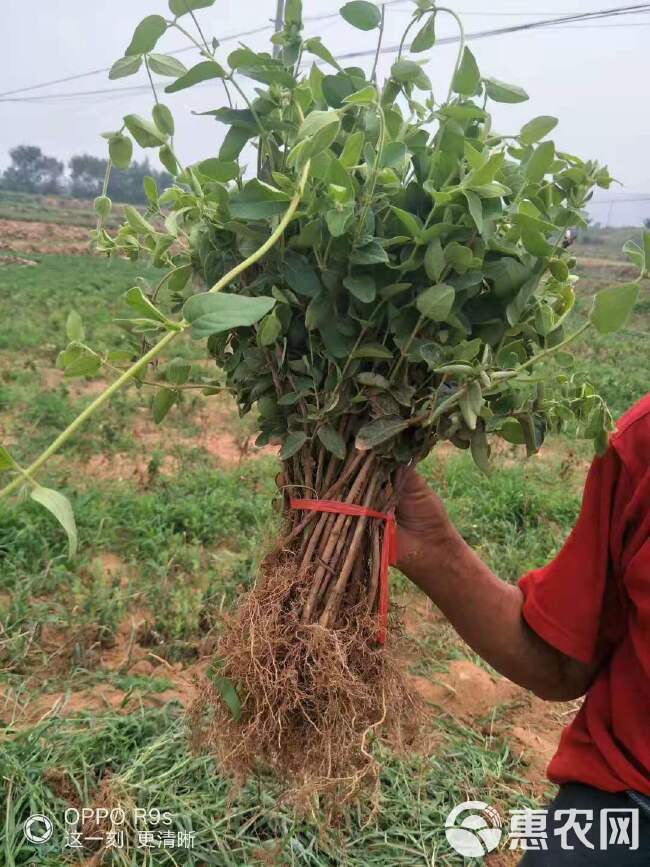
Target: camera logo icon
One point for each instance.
(38, 828)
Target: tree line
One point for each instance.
(32, 171)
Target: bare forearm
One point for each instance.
(487, 614)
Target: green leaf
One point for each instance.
(480, 449)
(537, 128)
(163, 118)
(120, 150)
(511, 431)
(434, 260)
(362, 287)
(146, 34)
(144, 132)
(6, 461)
(613, 306)
(137, 221)
(293, 442)
(150, 189)
(436, 302)
(59, 506)
(203, 71)
(333, 441)
(74, 327)
(219, 170)
(86, 364)
(410, 72)
(371, 253)
(379, 431)
(467, 77)
(318, 143)
(372, 350)
(177, 371)
(352, 149)
(500, 91)
(215, 312)
(163, 401)
(361, 14)
(315, 46)
(167, 158)
(540, 161)
(393, 154)
(411, 223)
(316, 121)
(470, 403)
(224, 685)
(301, 276)
(426, 36)
(339, 221)
(182, 7)
(366, 96)
(137, 300)
(475, 208)
(124, 67)
(270, 329)
(257, 201)
(165, 64)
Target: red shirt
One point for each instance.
(593, 603)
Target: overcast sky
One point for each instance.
(594, 77)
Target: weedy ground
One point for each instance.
(98, 656)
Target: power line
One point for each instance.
(517, 28)
(635, 9)
(481, 34)
(252, 32)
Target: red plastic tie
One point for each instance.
(388, 548)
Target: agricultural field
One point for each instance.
(99, 655)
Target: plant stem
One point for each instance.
(107, 177)
(272, 239)
(157, 349)
(461, 46)
(373, 74)
(535, 358)
(90, 410)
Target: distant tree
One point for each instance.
(31, 171)
(87, 177)
(646, 222)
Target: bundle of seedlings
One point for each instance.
(376, 270)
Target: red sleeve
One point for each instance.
(563, 601)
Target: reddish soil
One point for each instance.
(484, 700)
(22, 237)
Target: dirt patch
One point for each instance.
(16, 260)
(466, 691)
(595, 262)
(23, 237)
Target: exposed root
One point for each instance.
(312, 697)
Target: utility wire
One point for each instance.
(554, 23)
(252, 32)
(625, 10)
(518, 28)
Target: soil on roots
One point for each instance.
(314, 699)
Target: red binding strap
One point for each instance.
(388, 548)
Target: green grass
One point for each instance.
(37, 300)
(146, 759)
(190, 541)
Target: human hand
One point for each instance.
(422, 524)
